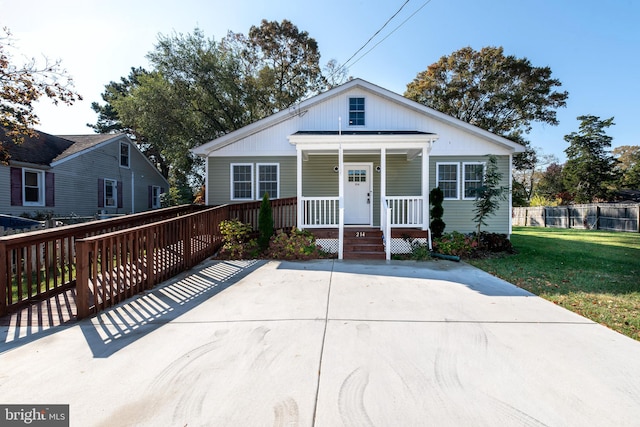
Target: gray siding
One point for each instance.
(219, 190)
(458, 214)
(76, 183)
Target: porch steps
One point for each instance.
(363, 243)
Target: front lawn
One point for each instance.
(593, 273)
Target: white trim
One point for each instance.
(364, 112)
(383, 185)
(128, 166)
(299, 188)
(42, 193)
(457, 165)
(463, 181)
(206, 182)
(115, 193)
(510, 195)
(425, 188)
(257, 186)
(231, 192)
(301, 108)
(369, 178)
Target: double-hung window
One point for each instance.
(473, 178)
(33, 187)
(241, 181)
(268, 181)
(110, 193)
(124, 154)
(356, 111)
(447, 179)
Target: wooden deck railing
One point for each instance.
(284, 212)
(110, 260)
(118, 265)
(38, 264)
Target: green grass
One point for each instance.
(593, 273)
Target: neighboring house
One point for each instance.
(78, 175)
(364, 149)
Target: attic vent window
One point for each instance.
(356, 111)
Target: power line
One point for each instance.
(375, 34)
(343, 66)
(393, 31)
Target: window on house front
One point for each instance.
(357, 175)
(356, 111)
(110, 193)
(242, 182)
(155, 197)
(447, 179)
(33, 187)
(268, 180)
(473, 177)
(124, 154)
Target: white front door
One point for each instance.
(358, 194)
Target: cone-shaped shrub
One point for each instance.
(265, 222)
(436, 197)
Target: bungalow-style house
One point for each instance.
(360, 160)
(81, 175)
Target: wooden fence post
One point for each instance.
(82, 279)
(597, 217)
(5, 283)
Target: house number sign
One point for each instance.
(360, 234)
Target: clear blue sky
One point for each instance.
(593, 47)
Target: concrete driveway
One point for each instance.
(329, 343)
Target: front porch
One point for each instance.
(363, 179)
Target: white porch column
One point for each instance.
(425, 188)
(383, 183)
(340, 201)
(510, 194)
(299, 188)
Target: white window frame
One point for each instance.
(258, 165)
(128, 165)
(364, 111)
(464, 181)
(457, 165)
(156, 191)
(41, 189)
(114, 193)
(231, 182)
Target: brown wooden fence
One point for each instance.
(115, 266)
(612, 217)
(38, 264)
(119, 257)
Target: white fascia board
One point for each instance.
(93, 147)
(386, 141)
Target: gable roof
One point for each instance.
(40, 149)
(302, 107)
(45, 149)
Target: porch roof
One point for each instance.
(410, 142)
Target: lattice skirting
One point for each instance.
(328, 245)
(401, 246)
(398, 245)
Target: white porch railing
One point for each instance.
(385, 225)
(318, 212)
(406, 211)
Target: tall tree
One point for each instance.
(22, 85)
(199, 89)
(590, 171)
(551, 186)
(628, 157)
(498, 93)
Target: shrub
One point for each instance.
(437, 226)
(495, 242)
(265, 222)
(420, 251)
(295, 245)
(455, 243)
(237, 243)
